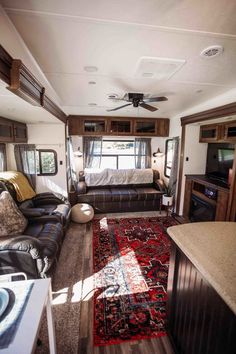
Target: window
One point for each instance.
(46, 162)
(168, 157)
(118, 154)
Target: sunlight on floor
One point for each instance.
(60, 296)
(121, 276)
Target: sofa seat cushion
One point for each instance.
(123, 194)
(148, 194)
(51, 231)
(95, 195)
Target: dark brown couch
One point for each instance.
(122, 198)
(35, 251)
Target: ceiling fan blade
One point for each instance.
(156, 99)
(147, 106)
(115, 109)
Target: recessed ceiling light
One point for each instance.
(92, 104)
(212, 51)
(92, 82)
(112, 96)
(148, 74)
(90, 69)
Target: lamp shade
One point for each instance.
(78, 153)
(158, 153)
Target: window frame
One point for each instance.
(4, 156)
(116, 155)
(39, 151)
(166, 153)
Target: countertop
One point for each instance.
(211, 247)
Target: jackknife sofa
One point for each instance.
(121, 190)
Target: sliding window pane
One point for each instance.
(109, 162)
(126, 162)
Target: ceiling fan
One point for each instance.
(137, 99)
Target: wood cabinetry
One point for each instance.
(212, 199)
(12, 131)
(20, 132)
(230, 132)
(6, 130)
(221, 132)
(91, 125)
(198, 319)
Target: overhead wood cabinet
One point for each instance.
(118, 126)
(12, 131)
(219, 132)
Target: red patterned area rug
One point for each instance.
(131, 258)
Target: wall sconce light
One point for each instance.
(78, 153)
(158, 153)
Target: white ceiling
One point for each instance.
(64, 36)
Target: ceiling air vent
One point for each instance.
(212, 51)
(157, 68)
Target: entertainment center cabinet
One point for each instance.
(204, 200)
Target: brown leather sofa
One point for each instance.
(122, 198)
(34, 252)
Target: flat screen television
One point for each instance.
(220, 159)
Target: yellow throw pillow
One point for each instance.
(13, 221)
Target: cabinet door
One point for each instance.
(210, 133)
(145, 127)
(230, 132)
(6, 131)
(20, 132)
(162, 127)
(120, 126)
(94, 126)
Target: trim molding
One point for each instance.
(218, 112)
(51, 107)
(23, 83)
(181, 167)
(5, 66)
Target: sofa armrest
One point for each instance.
(21, 243)
(20, 248)
(81, 187)
(32, 213)
(159, 184)
(49, 198)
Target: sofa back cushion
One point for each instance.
(13, 221)
(119, 177)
